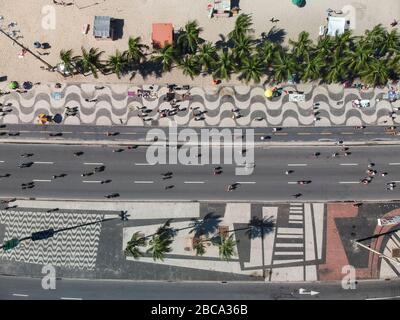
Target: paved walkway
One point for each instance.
(302, 241)
(208, 106)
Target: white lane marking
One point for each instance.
(383, 298)
(93, 163)
(349, 164)
(194, 182)
(395, 181)
(246, 182)
(66, 298)
(144, 181)
(394, 164)
(20, 295)
(41, 180)
(297, 165)
(1, 161)
(348, 182)
(292, 182)
(44, 162)
(144, 164)
(91, 181)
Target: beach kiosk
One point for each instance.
(336, 26)
(219, 8)
(162, 33)
(103, 27)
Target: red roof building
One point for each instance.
(162, 33)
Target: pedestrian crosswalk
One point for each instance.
(289, 243)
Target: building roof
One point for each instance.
(336, 25)
(102, 27)
(162, 33)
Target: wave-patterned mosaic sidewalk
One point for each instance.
(114, 106)
(73, 249)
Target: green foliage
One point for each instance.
(373, 57)
(133, 245)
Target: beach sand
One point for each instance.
(138, 16)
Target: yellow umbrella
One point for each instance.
(42, 118)
(268, 93)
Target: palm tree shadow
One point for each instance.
(148, 68)
(207, 226)
(223, 43)
(276, 35)
(259, 227)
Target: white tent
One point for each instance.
(336, 25)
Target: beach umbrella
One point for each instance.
(268, 93)
(42, 118)
(13, 85)
(298, 3)
(27, 85)
(37, 44)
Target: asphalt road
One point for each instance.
(129, 174)
(77, 289)
(12, 132)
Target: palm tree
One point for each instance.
(166, 56)
(90, 61)
(161, 241)
(223, 65)
(377, 73)
(67, 60)
(207, 55)
(226, 247)
(159, 246)
(390, 44)
(302, 46)
(117, 63)
(284, 66)
(135, 52)
(252, 69)
(336, 70)
(343, 42)
(358, 59)
(311, 68)
(324, 47)
(243, 26)
(189, 38)
(132, 247)
(200, 247)
(190, 66)
(243, 47)
(375, 37)
(394, 66)
(267, 50)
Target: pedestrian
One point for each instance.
(394, 23)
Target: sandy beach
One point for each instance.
(138, 16)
